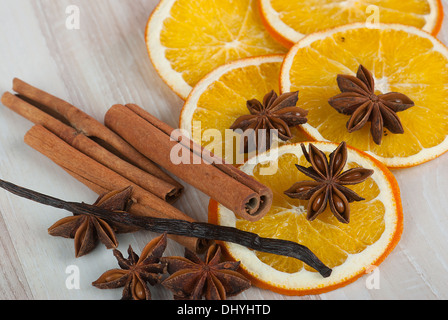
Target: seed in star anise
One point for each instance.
(86, 230)
(359, 100)
(191, 278)
(275, 113)
(136, 272)
(328, 183)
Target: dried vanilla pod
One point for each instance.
(205, 231)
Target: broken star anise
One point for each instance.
(86, 230)
(359, 100)
(191, 278)
(328, 185)
(136, 272)
(275, 113)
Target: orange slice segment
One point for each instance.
(289, 21)
(401, 58)
(349, 249)
(220, 98)
(187, 39)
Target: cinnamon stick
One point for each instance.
(90, 137)
(228, 185)
(100, 179)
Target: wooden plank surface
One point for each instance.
(103, 63)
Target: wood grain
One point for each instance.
(103, 63)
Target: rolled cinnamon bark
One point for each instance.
(100, 178)
(85, 124)
(239, 192)
(76, 127)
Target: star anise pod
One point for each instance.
(86, 230)
(191, 278)
(136, 272)
(328, 185)
(359, 100)
(275, 113)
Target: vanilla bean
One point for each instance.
(180, 227)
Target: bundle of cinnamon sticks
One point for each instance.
(237, 191)
(131, 149)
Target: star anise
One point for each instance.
(328, 185)
(86, 230)
(191, 278)
(359, 100)
(275, 113)
(136, 272)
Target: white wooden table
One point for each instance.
(103, 63)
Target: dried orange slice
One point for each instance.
(402, 59)
(289, 21)
(220, 98)
(350, 250)
(187, 39)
